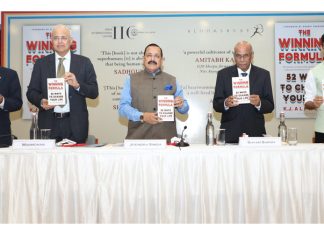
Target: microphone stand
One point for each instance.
(182, 143)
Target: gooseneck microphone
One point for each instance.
(182, 143)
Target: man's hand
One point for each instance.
(1, 99)
(255, 100)
(231, 101)
(318, 101)
(151, 118)
(44, 104)
(178, 102)
(71, 80)
(315, 104)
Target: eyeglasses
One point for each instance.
(244, 57)
(60, 38)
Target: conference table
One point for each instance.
(197, 184)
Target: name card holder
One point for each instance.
(260, 141)
(33, 144)
(146, 143)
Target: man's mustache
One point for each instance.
(152, 62)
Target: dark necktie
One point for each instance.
(244, 74)
(60, 69)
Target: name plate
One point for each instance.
(260, 141)
(146, 143)
(33, 144)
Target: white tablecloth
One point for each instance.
(198, 184)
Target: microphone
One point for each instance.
(182, 143)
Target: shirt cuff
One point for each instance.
(138, 117)
(2, 103)
(225, 107)
(258, 107)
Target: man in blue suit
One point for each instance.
(10, 101)
(248, 117)
(71, 120)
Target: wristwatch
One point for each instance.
(142, 118)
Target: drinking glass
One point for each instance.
(292, 136)
(220, 136)
(45, 134)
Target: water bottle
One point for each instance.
(282, 128)
(33, 132)
(210, 130)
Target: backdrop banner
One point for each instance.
(298, 49)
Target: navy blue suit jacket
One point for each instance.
(10, 89)
(84, 72)
(244, 118)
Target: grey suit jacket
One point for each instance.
(85, 74)
(244, 118)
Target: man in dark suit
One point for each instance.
(10, 101)
(71, 120)
(248, 117)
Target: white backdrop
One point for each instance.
(195, 46)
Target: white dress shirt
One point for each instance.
(310, 87)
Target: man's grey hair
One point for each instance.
(245, 43)
(58, 26)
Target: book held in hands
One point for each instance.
(241, 89)
(56, 91)
(166, 108)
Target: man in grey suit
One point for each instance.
(243, 118)
(71, 120)
(10, 101)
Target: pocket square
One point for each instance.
(168, 87)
